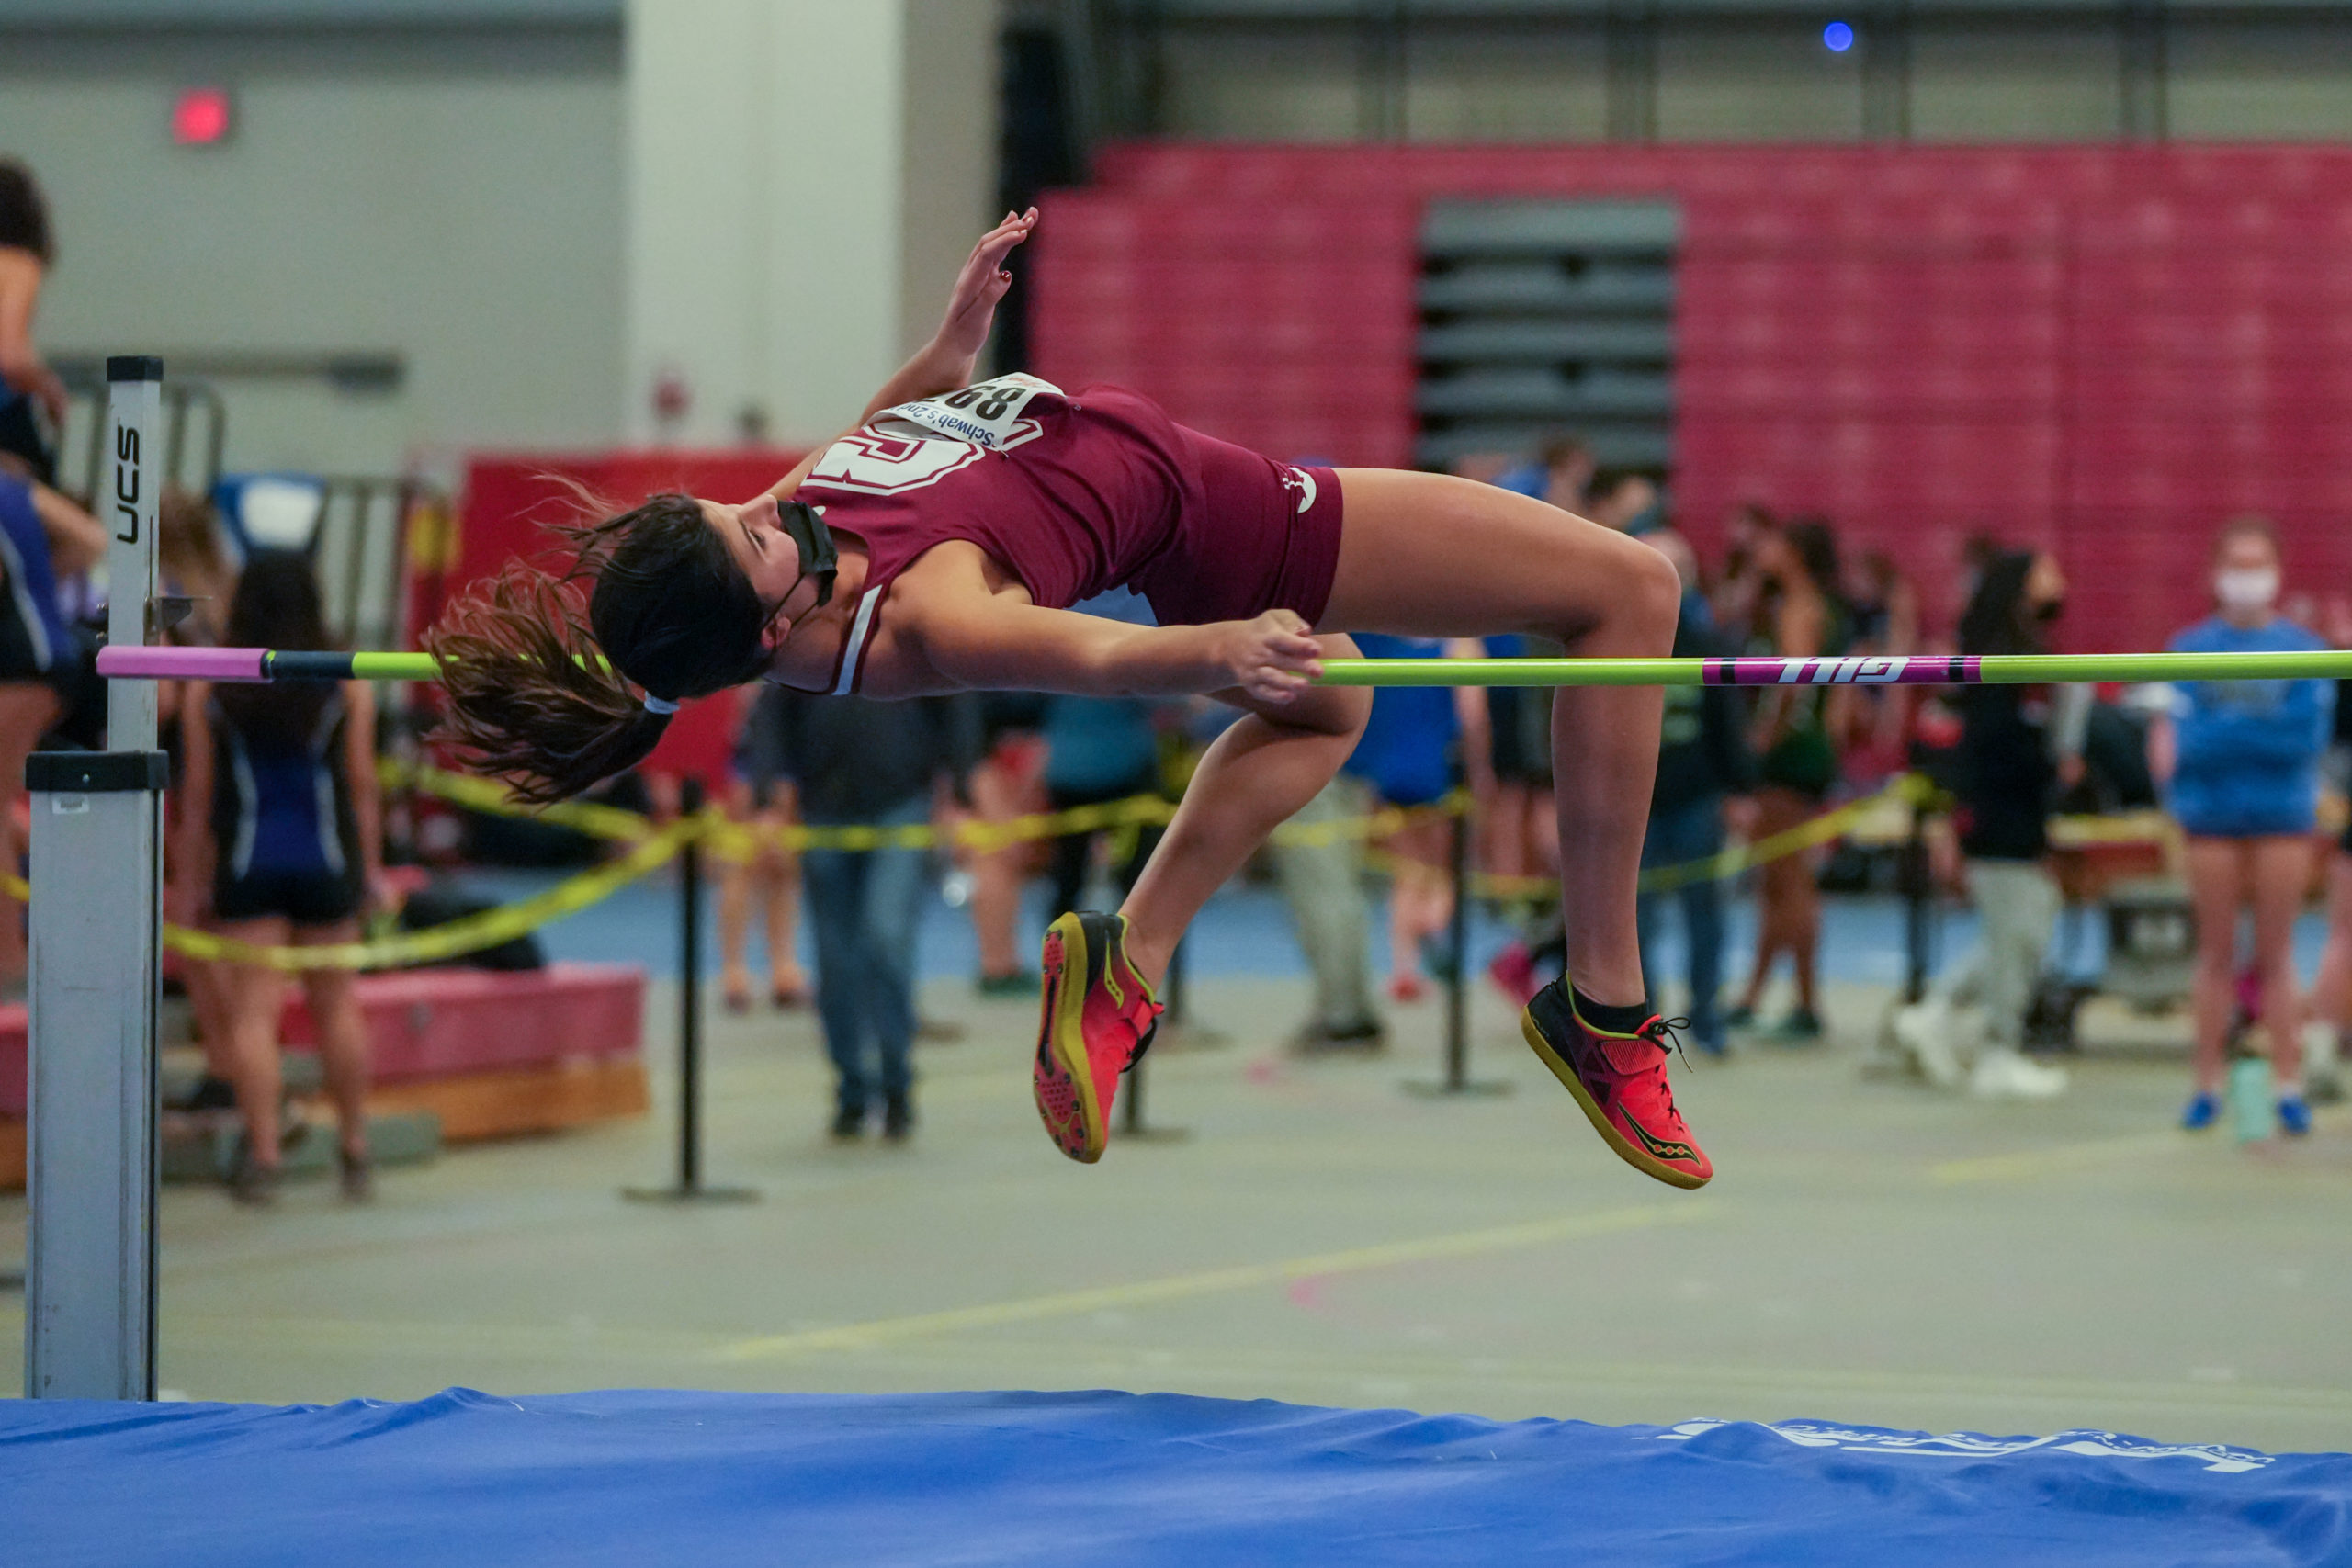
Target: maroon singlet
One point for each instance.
(1076, 495)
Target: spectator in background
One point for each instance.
(1479, 468)
(1801, 616)
(1624, 500)
(2243, 761)
(862, 763)
(759, 794)
(1005, 784)
(1561, 474)
(1320, 867)
(1885, 615)
(1099, 750)
(42, 660)
(1738, 592)
(282, 841)
(1408, 752)
(1883, 606)
(28, 387)
(1704, 758)
(191, 566)
(2017, 743)
(2332, 991)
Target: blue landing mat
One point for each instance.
(713, 1480)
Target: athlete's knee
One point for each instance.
(1337, 712)
(1652, 588)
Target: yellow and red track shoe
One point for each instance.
(1098, 1018)
(1620, 1079)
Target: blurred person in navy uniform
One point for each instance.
(2018, 746)
(29, 389)
(2242, 761)
(282, 841)
(862, 764)
(45, 662)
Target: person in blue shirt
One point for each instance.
(2242, 759)
(1410, 752)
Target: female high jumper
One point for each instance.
(937, 547)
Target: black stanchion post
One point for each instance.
(1919, 891)
(1457, 984)
(1172, 1022)
(689, 1188)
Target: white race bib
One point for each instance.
(987, 414)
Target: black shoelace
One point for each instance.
(1663, 1031)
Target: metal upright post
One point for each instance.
(689, 1188)
(95, 929)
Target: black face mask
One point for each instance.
(818, 557)
(2049, 609)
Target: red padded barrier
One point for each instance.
(432, 1024)
(427, 1023)
(2109, 348)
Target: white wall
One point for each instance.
(803, 176)
(469, 220)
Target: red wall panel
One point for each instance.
(2106, 349)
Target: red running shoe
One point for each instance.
(1620, 1079)
(1098, 1018)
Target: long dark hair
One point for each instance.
(277, 606)
(24, 213)
(1996, 619)
(539, 682)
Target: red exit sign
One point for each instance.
(202, 116)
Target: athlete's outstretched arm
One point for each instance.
(946, 362)
(979, 636)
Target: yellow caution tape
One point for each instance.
(471, 934)
(737, 841)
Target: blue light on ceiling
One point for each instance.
(1837, 36)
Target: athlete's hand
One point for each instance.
(1273, 658)
(971, 309)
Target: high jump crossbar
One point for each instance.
(133, 663)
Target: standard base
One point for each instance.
(691, 1194)
(1442, 1090)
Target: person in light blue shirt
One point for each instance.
(2242, 762)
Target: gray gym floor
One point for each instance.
(1870, 1252)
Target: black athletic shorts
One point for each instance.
(307, 899)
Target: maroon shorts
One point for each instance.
(1252, 535)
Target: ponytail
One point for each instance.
(531, 700)
(535, 685)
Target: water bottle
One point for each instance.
(2250, 1099)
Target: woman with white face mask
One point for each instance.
(2242, 758)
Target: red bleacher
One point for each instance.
(2107, 349)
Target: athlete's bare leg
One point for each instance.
(1427, 555)
(1255, 776)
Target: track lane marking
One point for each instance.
(1174, 1287)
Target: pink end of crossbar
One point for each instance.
(181, 663)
